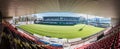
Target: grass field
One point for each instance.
(57, 31)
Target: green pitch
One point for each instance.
(68, 32)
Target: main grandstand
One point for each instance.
(24, 26)
(59, 20)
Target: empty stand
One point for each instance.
(13, 39)
(110, 41)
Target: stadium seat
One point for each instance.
(17, 40)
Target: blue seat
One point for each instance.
(44, 42)
(58, 45)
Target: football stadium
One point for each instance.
(60, 24)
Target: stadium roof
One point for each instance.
(108, 8)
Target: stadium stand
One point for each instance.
(111, 41)
(12, 39)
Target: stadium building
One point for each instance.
(40, 36)
(99, 22)
(62, 20)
